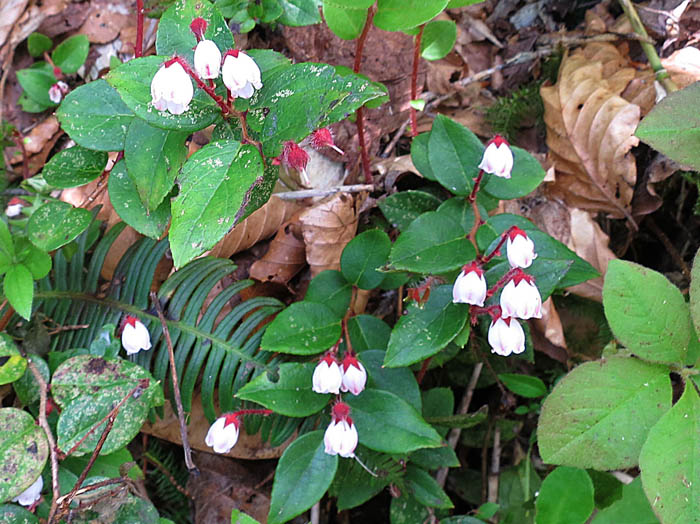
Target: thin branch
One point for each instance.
(364, 154)
(495, 465)
(310, 193)
(159, 465)
(675, 255)
(176, 387)
(414, 79)
(138, 48)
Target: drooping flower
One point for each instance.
(327, 376)
(324, 138)
(223, 433)
(207, 59)
(506, 336)
(520, 248)
(32, 494)
(14, 207)
(295, 157)
(520, 297)
(135, 336)
(58, 91)
(240, 73)
(470, 286)
(498, 157)
(171, 88)
(198, 26)
(341, 435)
(354, 374)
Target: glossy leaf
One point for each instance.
(37, 44)
(303, 475)
(331, 289)
(346, 23)
(420, 157)
(454, 153)
(18, 287)
(566, 495)
(23, 452)
(397, 15)
(399, 381)
(695, 292)
(56, 223)
(598, 416)
(74, 167)
(299, 13)
(36, 82)
(524, 385)
(26, 387)
(368, 332)
(632, 508)
(70, 54)
(527, 174)
(363, 255)
(304, 328)
(12, 363)
(400, 209)
(439, 37)
(646, 312)
(425, 488)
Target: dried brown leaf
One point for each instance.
(550, 324)
(285, 257)
(40, 135)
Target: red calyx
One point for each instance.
(231, 418)
(14, 201)
(328, 359)
(293, 156)
(322, 138)
(233, 52)
(130, 320)
(472, 266)
(341, 411)
(515, 231)
(498, 140)
(198, 27)
(350, 360)
(520, 275)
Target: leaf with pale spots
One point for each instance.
(74, 166)
(217, 186)
(304, 328)
(23, 452)
(56, 223)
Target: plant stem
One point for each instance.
(654, 61)
(138, 49)
(475, 209)
(503, 281)
(496, 251)
(414, 80)
(176, 388)
(364, 154)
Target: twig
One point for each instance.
(92, 487)
(176, 388)
(44, 424)
(395, 139)
(101, 182)
(455, 433)
(414, 80)
(60, 329)
(675, 255)
(153, 460)
(495, 465)
(310, 193)
(364, 154)
(315, 516)
(654, 61)
(138, 48)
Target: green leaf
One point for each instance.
(439, 37)
(424, 331)
(452, 4)
(153, 158)
(132, 81)
(95, 117)
(694, 291)
(299, 13)
(37, 44)
(566, 495)
(363, 255)
(598, 415)
(346, 23)
(74, 167)
(174, 36)
(87, 388)
(304, 328)
(419, 156)
(238, 517)
(70, 54)
(36, 82)
(368, 332)
(331, 289)
(397, 15)
(403, 208)
(670, 461)
(290, 395)
(632, 508)
(454, 153)
(27, 388)
(7, 248)
(297, 100)
(461, 420)
(524, 385)
(18, 287)
(405, 509)
(128, 205)
(673, 130)
(14, 514)
(303, 475)
(527, 174)
(216, 187)
(388, 424)
(56, 223)
(432, 243)
(12, 363)
(399, 381)
(425, 488)
(23, 452)
(646, 312)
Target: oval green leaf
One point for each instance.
(524, 385)
(304, 328)
(330, 288)
(70, 54)
(403, 208)
(566, 495)
(439, 37)
(74, 167)
(18, 286)
(397, 15)
(23, 452)
(56, 223)
(363, 255)
(12, 364)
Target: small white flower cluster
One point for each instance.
(520, 297)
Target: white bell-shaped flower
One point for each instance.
(520, 298)
(207, 59)
(135, 336)
(470, 286)
(327, 376)
(520, 248)
(240, 74)
(354, 375)
(341, 435)
(32, 494)
(14, 207)
(223, 433)
(57, 91)
(171, 88)
(498, 157)
(506, 336)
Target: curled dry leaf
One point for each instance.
(550, 324)
(285, 257)
(327, 227)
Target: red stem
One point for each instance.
(253, 412)
(138, 49)
(208, 90)
(356, 68)
(502, 282)
(486, 259)
(414, 80)
(475, 209)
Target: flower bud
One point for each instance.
(354, 375)
(470, 286)
(223, 433)
(240, 73)
(135, 336)
(14, 207)
(520, 248)
(57, 91)
(506, 336)
(324, 138)
(327, 376)
(341, 435)
(32, 494)
(198, 26)
(295, 157)
(207, 59)
(171, 88)
(498, 157)
(520, 298)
